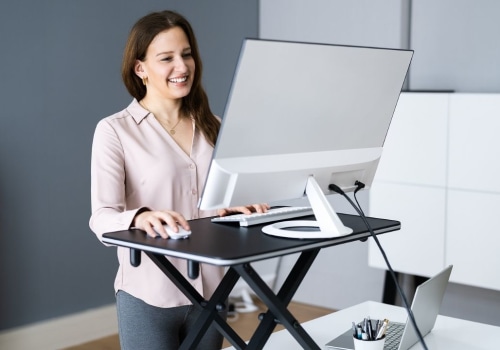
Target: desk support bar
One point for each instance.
(209, 310)
(277, 304)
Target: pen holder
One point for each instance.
(369, 344)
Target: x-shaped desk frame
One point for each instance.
(242, 247)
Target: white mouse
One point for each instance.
(182, 234)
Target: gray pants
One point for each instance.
(142, 326)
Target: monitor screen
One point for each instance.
(299, 113)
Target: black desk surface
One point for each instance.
(225, 245)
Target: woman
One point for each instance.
(149, 164)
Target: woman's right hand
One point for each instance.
(153, 221)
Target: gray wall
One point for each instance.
(456, 45)
(455, 41)
(59, 75)
(363, 22)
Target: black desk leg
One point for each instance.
(277, 304)
(209, 309)
(210, 314)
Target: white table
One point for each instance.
(448, 333)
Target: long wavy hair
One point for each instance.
(195, 104)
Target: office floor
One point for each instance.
(244, 324)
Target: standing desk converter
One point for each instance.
(236, 248)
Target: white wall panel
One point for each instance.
(418, 247)
(415, 149)
(454, 137)
(474, 143)
(473, 239)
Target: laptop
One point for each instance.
(425, 307)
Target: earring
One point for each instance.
(145, 80)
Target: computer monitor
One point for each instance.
(301, 116)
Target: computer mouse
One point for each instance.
(182, 234)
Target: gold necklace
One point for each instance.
(172, 130)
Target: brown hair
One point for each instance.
(195, 104)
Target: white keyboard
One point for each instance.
(273, 214)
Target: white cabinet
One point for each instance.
(419, 245)
(474, 142)
(440, 176)
(415, 147)
(473, 238)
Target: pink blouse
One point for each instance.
(136, 164)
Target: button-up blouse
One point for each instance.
(136, 164)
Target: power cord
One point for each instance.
(359, 186)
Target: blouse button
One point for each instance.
(193, 191)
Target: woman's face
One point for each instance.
(169, 65)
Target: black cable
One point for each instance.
(360, 185)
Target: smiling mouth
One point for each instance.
(178, 80)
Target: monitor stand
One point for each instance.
(327, 224)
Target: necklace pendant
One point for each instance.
(172, 132)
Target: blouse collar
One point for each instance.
(137, 111)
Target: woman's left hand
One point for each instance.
(249, 209)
